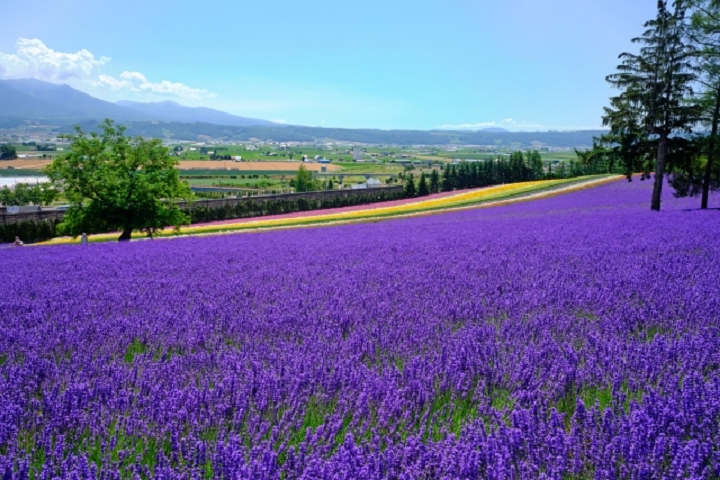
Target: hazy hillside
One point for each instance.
(47, 103)
(195, 131)
(34, 100)
(174, 112)
(43, 100)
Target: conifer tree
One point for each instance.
(699, 172)
(536, 165)
(434, 181)
(410, 186)
(423, 190)
(446, 179)
(654, 85)
(453, 177)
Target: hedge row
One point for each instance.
(259, 208)
(31, 231)
(28, 231)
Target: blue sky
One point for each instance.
(421, 64)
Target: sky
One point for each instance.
(525, 65)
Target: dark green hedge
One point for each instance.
(259, 208)
(29, 231)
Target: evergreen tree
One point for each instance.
(654, 85)
(434, 181)
(423, 189)
(699, 172)
(446, 179)
(462, 177)
(453, 177)
(488, 173)
(410, 191)
(536, 165)
(474, 175)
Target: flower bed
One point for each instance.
(576, 336)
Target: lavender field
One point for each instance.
(574, 337)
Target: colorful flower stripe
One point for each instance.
(459, 200)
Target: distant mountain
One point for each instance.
(31, 99)
(50, 104)
(174, 131)
(174, 112)
(14, 103)
(494, 130)
(37, 99)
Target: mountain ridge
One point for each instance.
(34, 99)
(168, 110)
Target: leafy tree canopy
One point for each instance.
(303, 181)
(24, 194)
(114, 182)
(7, 152)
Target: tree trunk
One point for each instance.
(126, 234)
(711, 152)
(659, 172)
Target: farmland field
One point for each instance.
(571, 337)
(252, 166)
(27, 163)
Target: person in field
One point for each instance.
(18, 242)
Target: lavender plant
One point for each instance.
(572, 337)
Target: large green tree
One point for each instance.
(654, 86)
(700, 172)
(114, 182)
(303, 181)
(7, 152)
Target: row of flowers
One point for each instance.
(421, 206)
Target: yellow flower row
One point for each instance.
(419, 206)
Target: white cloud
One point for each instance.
(114, 83)
(513, 125)
(137, 82)
(32, 58)
(134, 76)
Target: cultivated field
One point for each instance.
(253, 166)
(572, 337)
(38, 163)
(26, 163)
